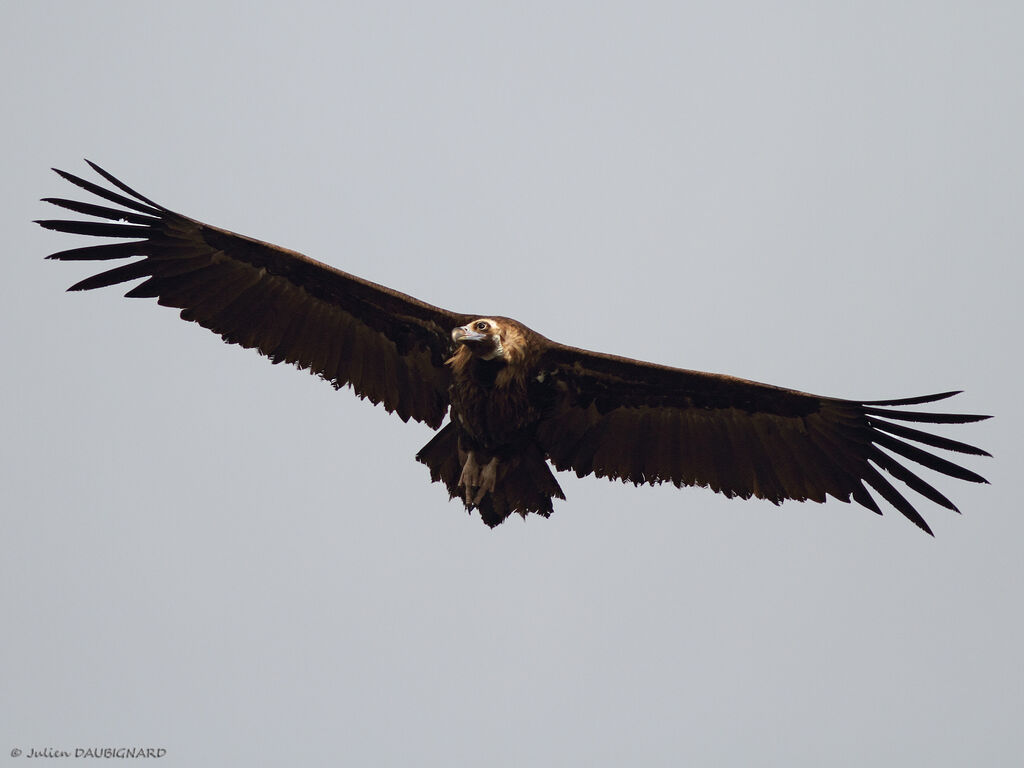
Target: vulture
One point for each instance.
(517, 403)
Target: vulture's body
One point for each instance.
(516, 400)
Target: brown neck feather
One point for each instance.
(513, 343)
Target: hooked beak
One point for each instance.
(463, 335)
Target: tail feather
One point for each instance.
(526, 484)
(441, 455)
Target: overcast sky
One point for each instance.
(232, 561)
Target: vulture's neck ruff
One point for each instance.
(490, 352)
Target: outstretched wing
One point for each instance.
(387, 346)
(645, 423)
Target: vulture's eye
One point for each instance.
(481, 326)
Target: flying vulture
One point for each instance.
(515, 399)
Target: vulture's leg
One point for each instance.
(487, 479)
(470, 476)
(483, 479)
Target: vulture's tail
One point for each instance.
(522, 484)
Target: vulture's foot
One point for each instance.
(482, 479)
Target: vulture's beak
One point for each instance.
(463, 336)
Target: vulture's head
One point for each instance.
(484, 338)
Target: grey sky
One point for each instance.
(230, 560)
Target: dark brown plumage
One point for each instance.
(516, 399)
